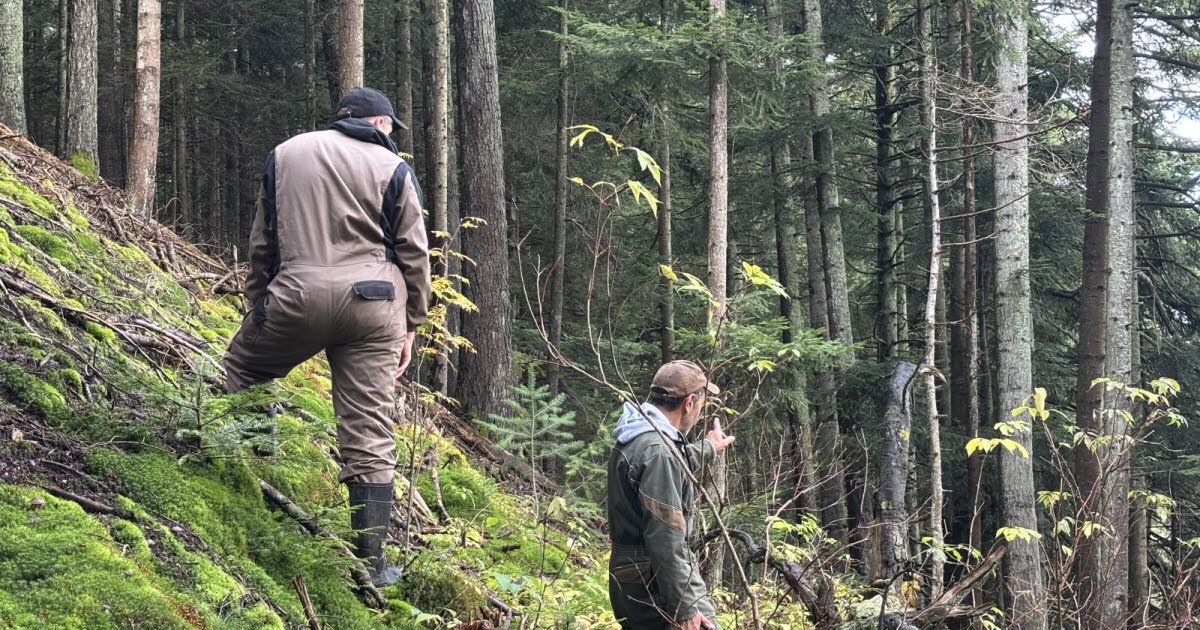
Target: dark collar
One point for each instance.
(360, 129)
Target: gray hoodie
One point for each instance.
(634, 423)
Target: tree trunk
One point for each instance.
(310, 65)
(796, 414)
(82, 104)
(403, 68)
(113, 87)
(437, 21)
(929, 122)
(329, 50)
(12, 65)
(64, 85)
(666, 305)
(559, 261)
(718, 238)
(1106, 326)
(893, 473)
(1014, 330)
(484, 377)
(143, 152)
(183, 202)
(970, 297)
(886, 326)
(837, 302)
(349, 44)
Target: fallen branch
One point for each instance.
(359, 572)
(302, 592)
(90, 506)
(946, 606)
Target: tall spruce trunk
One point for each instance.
(841, 465)
(179, 114)
(1014, 331)
(83, 136)
(893, 473)
(968, 407)
(484, 377)
(887, 243)
(559, 262)
(403, 69)
(718, 239)
(310, 65)
(438, 149)
(64, 84)
(796, 414)
(1107, 325)
(349, 43)
(112, 92)
(929, 121)
(143, 150)
(666, 304)
(12, 65)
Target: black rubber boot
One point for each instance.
(371, 511)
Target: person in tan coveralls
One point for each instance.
(339, 261)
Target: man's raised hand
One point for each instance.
(699, 622)
(719, 440)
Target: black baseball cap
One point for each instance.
(363, 102)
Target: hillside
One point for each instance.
(133, 494)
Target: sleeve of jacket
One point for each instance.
(411, 243)
(263, 254)
(700, 456)
(664, 530)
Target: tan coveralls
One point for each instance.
(339, 262)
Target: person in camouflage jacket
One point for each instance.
(654, 579)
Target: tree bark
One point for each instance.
(837, 302)
(929, 122)
(1014, 374)
(796, 413)
(559, 262)
(484, 377)
(884, 70)
(437, 21)
(666, 305)
(64, 85)
(310, 65)
(893, 473)
(349, 44)
(143, 152)
(183, 201)
(113, 88)
(718, 237)
(12, 65)
(403, 68)
(969, 405)
(82, 103)
(1107, 323)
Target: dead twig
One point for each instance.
(302, 592)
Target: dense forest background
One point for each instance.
(942, 257)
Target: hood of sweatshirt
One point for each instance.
(634, 423)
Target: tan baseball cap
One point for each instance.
(680, 378)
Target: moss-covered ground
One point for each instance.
(168, 527)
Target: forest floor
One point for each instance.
(131, 494)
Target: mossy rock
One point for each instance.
(101, 333)
(33, 392)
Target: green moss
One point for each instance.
(465, 491)
(84, 163)
(101, 333)
(89, 243)
(49, 243)
(59, 569)
(68, 379)
(12, 189)
(433, 585)
(32, 392)
(44, 317)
